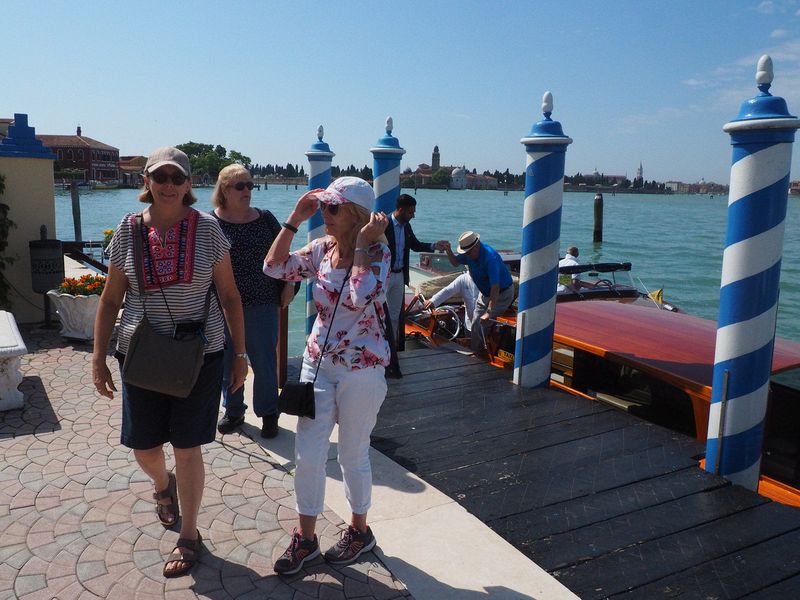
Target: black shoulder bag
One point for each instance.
(169, 364)
(297, 397)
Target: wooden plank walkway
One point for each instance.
(608, 504)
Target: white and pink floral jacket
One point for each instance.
(356, 340)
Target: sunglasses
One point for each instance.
(240, 185)
(161, 177)
(331, 208)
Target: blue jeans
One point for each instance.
(261, 339)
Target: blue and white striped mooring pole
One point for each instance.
(546, 146)
(761, 136)
(387, 155)
(319, 160)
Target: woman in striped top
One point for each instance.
(184, 253)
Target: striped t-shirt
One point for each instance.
(186, 299)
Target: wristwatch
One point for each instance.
(241, 355)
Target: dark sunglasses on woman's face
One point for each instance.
(160, 177)
(240, 185)
(331, 208)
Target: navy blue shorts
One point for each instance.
(150, 419)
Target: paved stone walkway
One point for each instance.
(77, 519)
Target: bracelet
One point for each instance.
(290, 227)
(364, 250)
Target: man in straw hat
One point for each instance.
(491, 275)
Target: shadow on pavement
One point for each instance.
(422, 585)
(36, 415)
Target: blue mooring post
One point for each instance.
(546, 146)
(387, 155)
(319, 157)
(762, 136)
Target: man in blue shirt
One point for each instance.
(491, 275)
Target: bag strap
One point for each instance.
(137, 247)
(138, 256)
(327, 335)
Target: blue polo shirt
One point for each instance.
(488, 270)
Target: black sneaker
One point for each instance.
(227, 424)
(298, 552)
(352, 545)
(269, 426)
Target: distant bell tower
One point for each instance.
(435, 159)
(640, 172)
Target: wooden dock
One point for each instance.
(610, 505)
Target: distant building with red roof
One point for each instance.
(98, 161)
(131, 170)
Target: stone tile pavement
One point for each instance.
(77, 519)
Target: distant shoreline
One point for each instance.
(604, 189)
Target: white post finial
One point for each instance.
(389, 125)
(320, 133)
(547, 103)
(764, 72)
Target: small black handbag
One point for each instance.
(297, 397)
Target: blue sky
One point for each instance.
(647, 81)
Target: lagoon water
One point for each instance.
(674, 242)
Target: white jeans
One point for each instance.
(395, 296)
(351, 399)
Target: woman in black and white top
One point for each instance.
(183, 253)
(250, 232)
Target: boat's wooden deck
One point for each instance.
(608, 504)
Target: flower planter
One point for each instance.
(76, 314)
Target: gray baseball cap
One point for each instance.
(168, 156)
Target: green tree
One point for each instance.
(207, 158)
(441, 177)
(194, 149)
(240, 158)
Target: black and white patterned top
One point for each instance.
(249, 245)
(187, 295)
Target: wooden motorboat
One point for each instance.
(655, 364)
(658, 365)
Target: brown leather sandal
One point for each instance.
(168, 513)
(186, 551)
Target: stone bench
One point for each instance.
(11, 348)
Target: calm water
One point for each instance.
(674, 242)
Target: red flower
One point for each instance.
(85, 285)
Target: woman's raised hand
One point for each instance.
(375, 228)
(307, 205)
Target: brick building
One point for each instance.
(99, 162)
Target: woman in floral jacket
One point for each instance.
(350, 386)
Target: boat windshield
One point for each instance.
(617, 274)
(437, 264)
